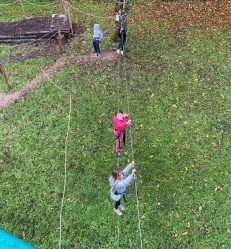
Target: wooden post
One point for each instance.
(119, 10)
(6, 80)
(24, 13)
(59, 35)
(69, 18)
(124, 5)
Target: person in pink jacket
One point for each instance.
(121, 121)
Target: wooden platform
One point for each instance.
(33, 29)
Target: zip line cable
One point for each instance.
(88, 14)
(65, 160)
(41, 5)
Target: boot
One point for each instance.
(122, 52)
(118, 51)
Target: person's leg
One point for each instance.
(121, 139)
(98, 48)
(122, 45)
(117, 142)
(117, 204)
(117, 145)
(118, 208)
(94, 46)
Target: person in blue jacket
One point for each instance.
(98, 35)
(121, 39)
(118, 182)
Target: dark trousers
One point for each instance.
(121, 44)
(96, 46)
(117, 203)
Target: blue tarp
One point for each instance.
(9, 241)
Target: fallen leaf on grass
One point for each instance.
(53, 194)
(228, 231)
(125, 153)
(143, 216)
(177, 215)
(217, 188)
(200, 209)
(151, 156)
(23, 235)
(184, 233)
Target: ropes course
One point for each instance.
(38, 5)
(121, 67)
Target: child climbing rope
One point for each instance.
(121, 39)
(96, 39)
(118, 183)
(121, 121)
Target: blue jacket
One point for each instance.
(97, 33)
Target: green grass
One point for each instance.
(179, 99)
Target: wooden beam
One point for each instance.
(59, 36)
(8, 86)
(69, 18)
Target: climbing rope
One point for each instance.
(65, 159)
(131, 142)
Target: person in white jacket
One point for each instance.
(118, 182)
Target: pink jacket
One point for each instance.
(119, 125)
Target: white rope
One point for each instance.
(65, 160)
(40, 5)
(88, 14)
(9, 3)
(64, 5)
(120, 2)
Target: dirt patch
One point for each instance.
(7, 99)
(37, 26)
(48, 49)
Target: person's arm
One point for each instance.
(101, 35)
(126, 181)
(128, 168)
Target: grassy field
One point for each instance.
(178, 93)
